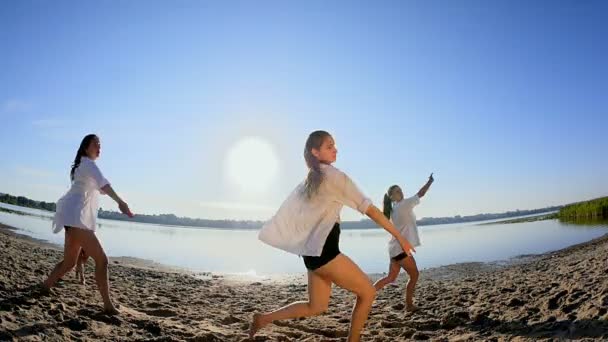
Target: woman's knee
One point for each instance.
(101, 260)
(367, 293)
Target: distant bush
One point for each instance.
(593, 209)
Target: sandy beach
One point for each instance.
(557, 295)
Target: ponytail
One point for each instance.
(388, 206)
(388, 202)
(313, 179)
(315, 176)
(82, 152)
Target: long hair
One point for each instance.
(388, 203)
(82, 152)
(315, 176)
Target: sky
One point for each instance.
(203, 107)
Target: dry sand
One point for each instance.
(559, 296)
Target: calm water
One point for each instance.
(239, 251)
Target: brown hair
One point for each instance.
(82, 152)
(388, 203)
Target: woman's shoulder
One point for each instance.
(332, 173)
(407, 202)
(88, 166)
(86, 161)
(331, 170)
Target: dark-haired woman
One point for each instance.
(400, 211)
(77, 213)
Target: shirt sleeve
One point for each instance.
(347, 192)
(413, 201)
(95, 173)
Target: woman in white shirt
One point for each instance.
(307, 224)
(77, 213)
(400, 211)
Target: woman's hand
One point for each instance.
(124, 208)
(426, 186)
(407, 247)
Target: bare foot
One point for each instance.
(412, 308)
(111, 310)
(43, 289)
(256, 324)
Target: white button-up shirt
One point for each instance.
(404, 219)
(301, 225)
(78, 207)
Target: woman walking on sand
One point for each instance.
(400, 211)
(77, 213)
(307, 224)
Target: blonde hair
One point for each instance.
(315, 176)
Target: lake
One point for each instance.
(239, 251)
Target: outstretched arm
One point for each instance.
(426, 186)
(377, 216)
(122, 205)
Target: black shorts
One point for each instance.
(399, 257)
(331, 249)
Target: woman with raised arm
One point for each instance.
(401, 212)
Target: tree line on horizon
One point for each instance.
(173, 220)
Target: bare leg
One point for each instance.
(82, 260)
(393, 272)
(91, 245)
(409, 265)
(71, 248)
(343, 272)
(319, 290)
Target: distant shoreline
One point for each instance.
(540, 217)
(174, 221)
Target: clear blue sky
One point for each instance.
(506, 101)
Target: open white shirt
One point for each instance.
(404, 220)
(78, 207)
(301, 225)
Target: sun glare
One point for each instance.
(252, 164)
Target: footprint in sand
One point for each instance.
(399, 306)
(100, 316)
(154, 305)
(160, 312)
(553, 303)
(328, 332)
(394, 324)
(150, 326)
(230, 320)
(76, 324)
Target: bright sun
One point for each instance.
(252, 164)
